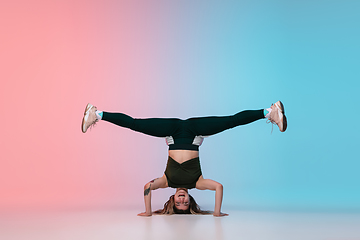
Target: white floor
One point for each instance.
(116, 224)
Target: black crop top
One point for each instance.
(184, 175)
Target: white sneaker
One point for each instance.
(89, 118)
(277, 116)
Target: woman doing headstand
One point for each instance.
(184, 137)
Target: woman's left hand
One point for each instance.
(220, 214)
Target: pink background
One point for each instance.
(57, 56)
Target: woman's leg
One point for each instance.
(157, 127)
(206, 126)
(163, 127)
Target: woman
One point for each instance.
(184, 137)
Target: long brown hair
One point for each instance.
(170, 208)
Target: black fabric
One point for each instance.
(184, 175)
(183, 146)
(183, 131)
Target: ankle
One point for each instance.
(99, 114)
(267, 112)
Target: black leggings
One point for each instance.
(163, 127)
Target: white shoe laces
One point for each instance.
(93, 124)
(271, 120)
(272, 125)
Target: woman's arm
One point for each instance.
(203, 184)
(152, 185)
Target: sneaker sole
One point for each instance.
(284, 124)
(86, 112)
(280, 105)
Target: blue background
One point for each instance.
(233, 55)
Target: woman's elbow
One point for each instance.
(147, 186)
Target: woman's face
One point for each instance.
(181, 199)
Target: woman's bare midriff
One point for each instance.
(181, 156)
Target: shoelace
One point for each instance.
(271, 121)
(93, 124)
(272, 125)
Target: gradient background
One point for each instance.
(179, 59)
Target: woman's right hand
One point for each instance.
(145, 214)
(220, 214)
